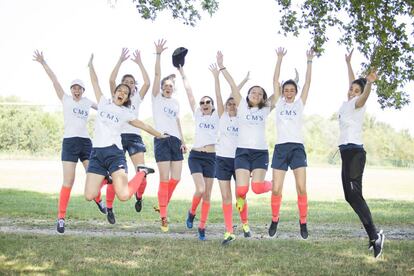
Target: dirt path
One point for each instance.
(287, 231)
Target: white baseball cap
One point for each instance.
(77, 82)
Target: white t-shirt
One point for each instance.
(252, 126)
(229, 131)
(165, 112)
(350, 122)
(289, 121)
(110, 120)
(206, 128)
(135, 103)
(75, 116)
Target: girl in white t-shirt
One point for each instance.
(289, 150)
(252, 156)
(107, 155)
(353, 155)
(202, 158)
(76, 143)
(168, 151)
(130, 136)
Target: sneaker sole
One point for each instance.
(382, 246)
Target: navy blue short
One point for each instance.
(168, 149)
(132, 143)
(107, 160)
(225, 168)
(202, 162)
(75, 148)
(291, 155)
(250, 159)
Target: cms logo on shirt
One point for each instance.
(170, 112)
(206, 125)
(287, 113)
(109, 116)
(256, 118)
(80, 113)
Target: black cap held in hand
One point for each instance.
(178, 57)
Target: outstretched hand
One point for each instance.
(219, 58)
(90, 63)
(214, 69)
(137, 57)
(38, 56)
(281, 52)
(348, 57)
(372, 76)
(159, 46)
(124, 55)
(310, 54)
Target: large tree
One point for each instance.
(377, 28)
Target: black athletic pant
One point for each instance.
(353, 164)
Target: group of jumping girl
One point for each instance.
(229, 142)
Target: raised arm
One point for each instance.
(219, 101)
(351, 76)
(360, 102)
(305, 90)
(94, 80)
(235, 91)
(112, 79)
(145, 86)
(280, 52)
(188, 89)
(38, 56)
(159, 48)
(243, 82)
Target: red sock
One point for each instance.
(261, 187)
(163, 198)
(228, 217)
(244, 213)
(241, 191)
(98, 198)
(135, 182)
(205, 208)
(194, 204)
(142, 187)
(171, 187)
(303, 207)
(110, 195)
(64, 197)
(276, 202)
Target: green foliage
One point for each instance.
(378, 29)
(187, 11)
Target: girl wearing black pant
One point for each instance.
(353, 155)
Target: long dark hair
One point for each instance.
(361, 83)
(263, 103)
(128, 102)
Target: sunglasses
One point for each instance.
(205, 102)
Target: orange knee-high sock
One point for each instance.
(276, 202)
(135, 182)
(244, 213)
(228, 217)
(194, 204)
(303, 207)
(261, 187)
(110, 195)
(241, 191)
(98, 198)
(163, 198)
(205, 208)
(171, 187)
(64, 197)
(142, 187)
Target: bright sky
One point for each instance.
(69, 31)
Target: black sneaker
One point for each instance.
(190, 220)
(146, 170)
(110, 216)
(101, 206)
(303, 231)
(138, 205)
(371, 245)
(379, 244)
(60, 225)
(228, 238)
(273, 228)
(202, 234)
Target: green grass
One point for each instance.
(337, 243)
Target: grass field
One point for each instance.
(134, 245)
